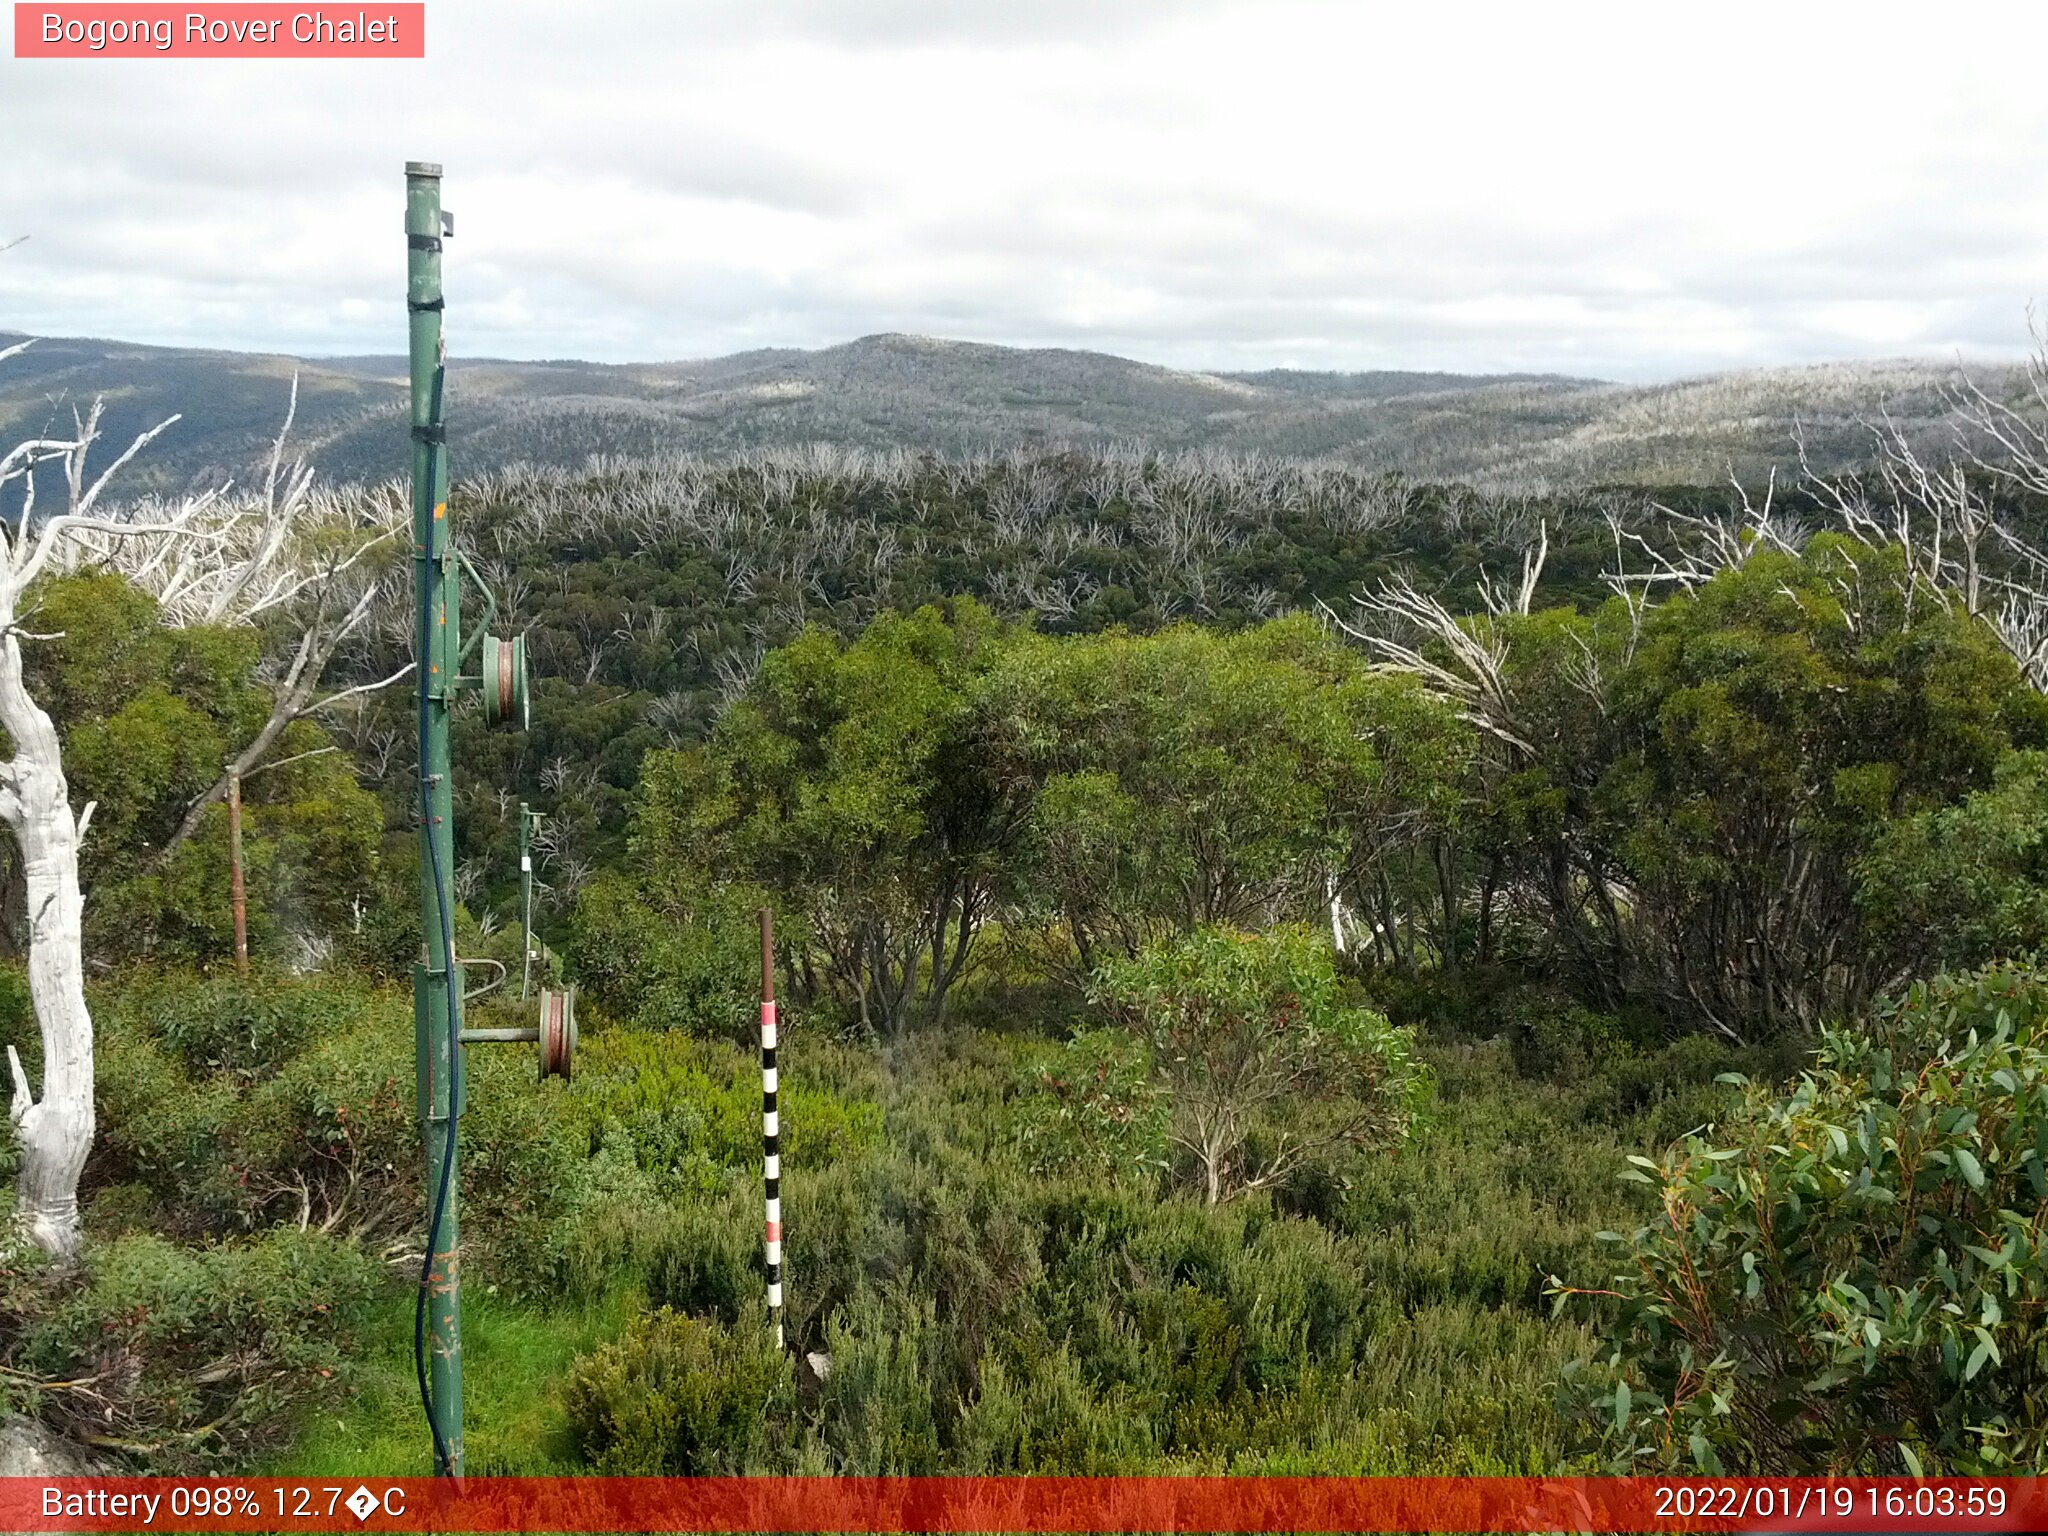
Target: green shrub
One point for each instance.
(1265, 1066)
(844, 1226)
(691, 1109)
(314, 1124)
(981, 1317)
(1569, 1040)
(1092, 1106)
(1049, 1421)
(682, 1396)
(237, 1110)
(707, 1260)
(1965, 883)
(609, 1222)
(249, 1026)
(657, 1165)
(1850, 1277)
(194, 1356)
(880, 1414)
(685, 957)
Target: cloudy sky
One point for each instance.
(1632, 191)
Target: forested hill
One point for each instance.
(1514, 430)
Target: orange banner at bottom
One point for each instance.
(996, 1504)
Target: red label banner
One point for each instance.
(1066, 1504)
(102, 31)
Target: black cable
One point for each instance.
(443, 1461)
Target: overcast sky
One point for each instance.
(1635, 191)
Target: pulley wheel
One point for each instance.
(557, 1031)
(506, 702)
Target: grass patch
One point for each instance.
(514, 1360)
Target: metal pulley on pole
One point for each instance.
(504, 682)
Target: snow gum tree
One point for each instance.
(55, 1130)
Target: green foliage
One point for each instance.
(645, 1173)
(986, 1316)
(681, 1397)
(677, 950)
(1734, 807)
(642, 628)
(1849, 1277)
(1697, 819)
(237, 1105)
(148, 715)
(1968, 882)
(1093, 1106)
(1267, 1069)
(981, 1316)
(844, 780)
(247, 1027)
(880, 1417)
(1049, 1421)
(691, 1110)
(707, 1259)
(1193, 777)
(191, 1357)
(893, 792)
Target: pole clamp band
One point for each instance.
(437, 433)
(423, 242)
(431, 304)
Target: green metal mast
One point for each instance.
(437, 980)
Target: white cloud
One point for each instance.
(1619, 189)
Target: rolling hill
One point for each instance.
(947, 396)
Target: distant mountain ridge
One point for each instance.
(922, 393)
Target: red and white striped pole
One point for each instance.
(771, 1128)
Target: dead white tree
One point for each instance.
(1944, 514)
(299, 564)
(1941, 513)
(55, 1131)
(1462, 660)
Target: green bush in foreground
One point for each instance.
(188, 1357)
(1269, 1071)
(1851, 1277)
(681, 1396)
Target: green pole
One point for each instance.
(437, 980)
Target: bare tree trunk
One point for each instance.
(1446, 861)
(283, 711)
(297, 696)
(55, 1131)
(1213, 1153)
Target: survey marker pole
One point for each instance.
(437, 979)
(771, 1127)
(528, 820)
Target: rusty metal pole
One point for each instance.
(238, 891)
(771, 1126)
